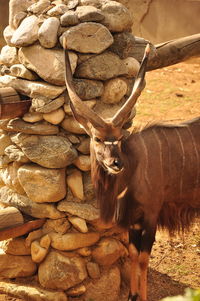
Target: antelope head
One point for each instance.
(106, 135)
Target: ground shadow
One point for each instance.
(161, 285)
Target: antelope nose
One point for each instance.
(117, 163)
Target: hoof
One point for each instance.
(133, 297)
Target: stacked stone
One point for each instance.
(44, 156)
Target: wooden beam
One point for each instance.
(175, 51)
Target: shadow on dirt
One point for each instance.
(161, 285)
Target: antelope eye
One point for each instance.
(97, 139)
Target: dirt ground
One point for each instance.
(171, 94)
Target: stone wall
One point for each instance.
(44, 156)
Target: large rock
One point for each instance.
(73, 241)
(88, 89)
(114, 90)
(12, 266)
(37, 128)
(39, 6)
(32, 293)
(27, 33)
(88, 37)
(107, 287)
(37, 58)
(102, 67)
(42, 184)
(117, 17)
(108, 251)
(85, 211)
(89, 13)
(16, 7)
(47, 151)
(9, 198)
(9, 177)
(31, 88)
(58, 271)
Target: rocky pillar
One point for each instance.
(44, 156)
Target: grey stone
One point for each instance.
(37, 128)
(89, 14)
(42, 184)
(117, 17)
(47, 151)
(85, 211)
(84, 38)
(48, 31)
(25, 205)
(45, 105)
(88, 89)
(37, 58)
(58, 271)
(102, 67)
(31, 88)
(70, 18)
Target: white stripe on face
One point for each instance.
(111, 142)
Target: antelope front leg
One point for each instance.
(134, 248)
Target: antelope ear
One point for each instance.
(84, 123)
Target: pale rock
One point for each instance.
(58, 10)
(18, 18)
(12, 266)
(48, 31)
(83, 163)
(21, 71)
(7, 34)
(24, 204)
(72, 3)
(88, 89)
(93, 270)
(107, 111)
(132, 65)
(85, 252)
(117, 17)
(17, 6)
(75, 183)
(45, 241)
(108, 251)
(37, 58)
(34, 235)
(32, 89)
(4, 161)
(27, 33)
(14, 153)
(37, 252)
(9, 55)
(88, 186)
(47, 151)
(70, 18)
(85, 211)
(42, 184)
(39, 6)
(58, 271)
(107, 287)
(90, 103)
(79, 224)
(46, 105)
(29, 292)
(114, 90)
(55, 117)
(71, 125)
(37, 128)
(15, 246)
(9, 177)
(95, 3)
(73, 241)
(89, 13)
(32, 117)
(102, 67)
(60, 225)
(124, 44)
(84, 146)
(4, 142)
(88, 37)
(76, 291)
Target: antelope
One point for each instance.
(143, 180)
